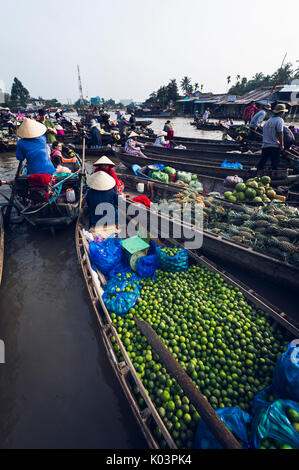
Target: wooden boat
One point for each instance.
(95, 153)
(210, 185)
(209, 126)
(204, 168)
(1, 245)
(213, 146)
(144, 123)
(148, 417)
(57, 212)
(224, 249)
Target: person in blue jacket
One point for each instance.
(101, 191)
(32, 147)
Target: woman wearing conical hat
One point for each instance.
(101, 191)
(131, 146)
(32, 147)
(105, 164)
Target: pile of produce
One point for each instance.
(182, 178)
(254, 190)
(227, 346)
(271, 229)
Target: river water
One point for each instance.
(57, 389)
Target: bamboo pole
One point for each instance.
(82, 172)
(207, 413)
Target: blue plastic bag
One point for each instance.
(106, 255)
(235, 166)
(123, 301)
(286, 374)
(264, 398)
(147, 266)
(173, 264)
(237, 420)
(271, 422)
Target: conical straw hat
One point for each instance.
(31, 129)
(133, 134)
(162, 133)
(104, 161)
(101, 181)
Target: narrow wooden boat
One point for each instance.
(210, 185)
(209, 127)
(95, 153)
(147, 416)
(1, 245)
(56, 212)
(224, 249)
(208, 168)
(213, 146)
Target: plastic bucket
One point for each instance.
(140, 188)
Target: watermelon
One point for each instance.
(228, 194)
(232, 198)
(250, 193)
(266, 179)
(241, 196)
(240, 187)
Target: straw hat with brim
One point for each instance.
(101, 181)
(162, 133)
(59, 128)
(133, 134)
(280, 108)
(31, 129)
(267, 106)
(104, 161)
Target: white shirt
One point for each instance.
(160, 142)
(206, 115)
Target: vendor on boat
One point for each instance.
(206, 115)
(95, 138)
(259, 117)
(101, 190)
(106, 165)
(161, 141)
(51, 130)
(32, 146)
(249, 112)
(273, 142)
(131, 146)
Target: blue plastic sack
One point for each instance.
(271, 422)
(106, 255)
(264, 398)
(123, 301)
(235, 166)
(177, 263)
(147, 266)
(237, 420)
(286, 374)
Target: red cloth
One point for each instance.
(170, 134)
(143, 200)
(40, 179)
(119, 184)
(249, 112)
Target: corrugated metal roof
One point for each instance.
(290, 88)
(258, 94)
(202, 101)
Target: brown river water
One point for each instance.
(57, 389)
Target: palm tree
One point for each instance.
(238, 77)
(201, 87)
(186, 84)
(196, 86)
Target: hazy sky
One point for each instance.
(128, 48)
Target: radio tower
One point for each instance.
(80, 86)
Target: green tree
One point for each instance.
(172, 91)
(186, 85)
(19, 94)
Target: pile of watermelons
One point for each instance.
(254, 190)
